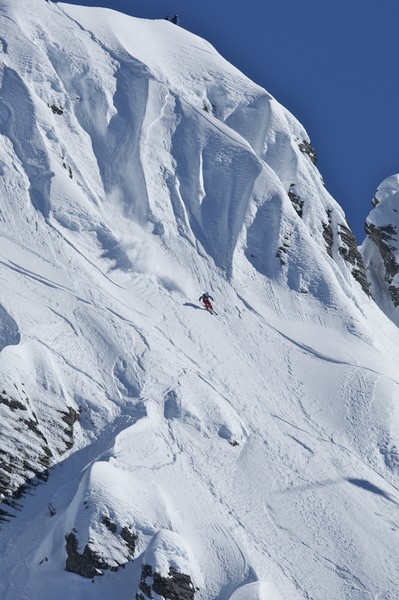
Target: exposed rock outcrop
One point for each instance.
(92, 562)
(130, 539)
(282, 250)
(177, 586)
(70, 417)
(328, 234)
(110, 525)
(166, 569)
(57, 110)
(308, 149)
(296, 201)
(349, 251)
(383, 237)
(88, 563)
(25, 450)
(345, 243)
(22, 463)
(380, 249)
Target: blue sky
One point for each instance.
(334, 65)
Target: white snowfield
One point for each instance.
(254, 451)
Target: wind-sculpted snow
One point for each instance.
(149, 449)
(18, 123)
(256, 591)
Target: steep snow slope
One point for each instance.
(249, 455)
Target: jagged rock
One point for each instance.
(109, 524)
(280, 254)
(283, 248)
(328, 234)
(25, 465)
(381, 247)
(382, 236)
(11, 403)
(177, 586)
(394, 294)
(166, 569)
(112, 546)
(308, 149)
(296, 201)
(22, 467)
(349, 251)
(5, 479)
(88, 564)
(70, 417)
(57, 110)
(375, 201)
(130, 538)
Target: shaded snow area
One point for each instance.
(148, 448)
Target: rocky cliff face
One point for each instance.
(310, 200)
(25, 452)
(381, 247)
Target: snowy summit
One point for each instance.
(150, 449)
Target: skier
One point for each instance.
(206, 299)
(175, 20)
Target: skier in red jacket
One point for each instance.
(206, 299)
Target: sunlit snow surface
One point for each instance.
(254, 450)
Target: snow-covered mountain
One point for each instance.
(380, 248)
(149, 449)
